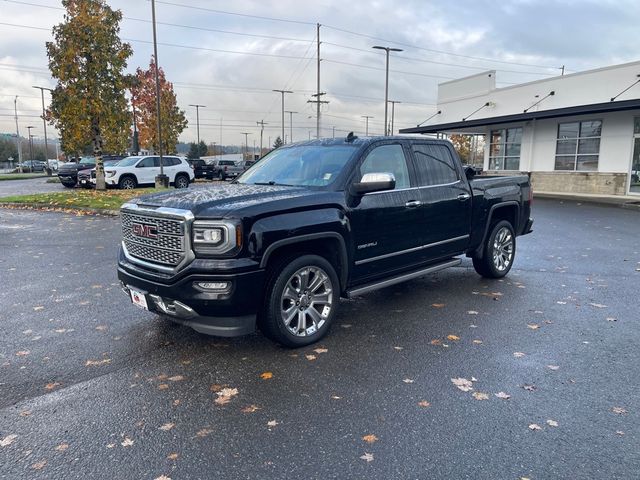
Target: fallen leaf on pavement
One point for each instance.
(163, 386)
(266, 375)
(62, 447)
(172, 456)
(598, 305)
(472, 312)
(167, 426)
(162, 477)
(370, 438)
(310, 357)
(250, 409)
(619, 410)
(51, 386)
(553, 367)
(436, 341)
(272, 423)
(95, 363)
(176, 378)
(463, 384)
(398, 348)
(367, 457)
(477, 342)
(619, 432)
(424, 404)
(25, 413)
(22, 353)
(480, 396)
(518, 354)
(453, 338)
(37, 309)
(216, 387)
(408, 380)
(127, 442)
(533, 326)
(530, 388)
(203, 432)
(39, 465)
(8, 440)
(437, 305)
(535, 426)
(321, 350)
(552, 423)
(101, 328)
(504, 396)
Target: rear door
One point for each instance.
(385, 225)
(445, 200)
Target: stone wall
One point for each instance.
(597, 183)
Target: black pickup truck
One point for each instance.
(202, 169)
(313, 222)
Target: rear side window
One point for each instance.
(227, 162)
(434, 164)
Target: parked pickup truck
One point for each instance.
(202, 169)
(313, 222)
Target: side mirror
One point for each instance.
(374, 182)
(470, 172)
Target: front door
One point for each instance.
(634, 174)
(385, 225)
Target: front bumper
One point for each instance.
(227, 313)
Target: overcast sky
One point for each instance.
(523, 40)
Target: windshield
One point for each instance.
(87, 160)
(306, 165)
(111, 163)
(128, 162)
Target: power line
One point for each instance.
(394, 71)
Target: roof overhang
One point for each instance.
(593, 108)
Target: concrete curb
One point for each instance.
(45, 207)
(610, 200)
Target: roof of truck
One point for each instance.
(363, 140)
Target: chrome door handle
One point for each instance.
(413, 203)
(464, 196)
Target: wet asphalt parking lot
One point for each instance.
(92, 387)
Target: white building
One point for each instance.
(577, 133)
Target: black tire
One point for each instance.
(68, 185)
(498, 251)
(127, 182)
(282, 276)
(221, 176)
(181, 181)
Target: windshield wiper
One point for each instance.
(272, 183)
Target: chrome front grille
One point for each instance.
(166, 243)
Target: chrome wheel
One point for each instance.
(127, 184)
(503, 249)
(182, 182)
(306, 301)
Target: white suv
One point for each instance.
(135, 171)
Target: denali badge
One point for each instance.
(144, 230)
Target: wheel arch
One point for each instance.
(509, 211)
(329, 245)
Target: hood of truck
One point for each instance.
(217, 201)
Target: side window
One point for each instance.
(434, 164)
(388, 159)
(145, 162)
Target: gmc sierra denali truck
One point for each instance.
(313, 222)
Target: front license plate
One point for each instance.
(139, 299)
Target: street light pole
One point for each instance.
(246, 144)
(366, 118)
(290, 125)
(44, 124)
(393, 112)
(386, 85)
(162, 181)
(18, 139)
(282, 92)
(198, 107)
(261, 124)
(30, 146)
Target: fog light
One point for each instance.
(213, 286)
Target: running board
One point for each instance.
(402, 278)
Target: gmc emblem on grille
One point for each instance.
(144, 230)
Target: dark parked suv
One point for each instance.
(313, 222)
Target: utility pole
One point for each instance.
(366, 118)
(386, 84)
(317, 101)
(44, 124)
(290, 125)
(162, 181)
(393, 112)
(334, 132)
(282, 92)
(318, 86)
(214, 148)
(18, 139)
(246, 144)
(198, 107)
(30, 147)
(261, 124)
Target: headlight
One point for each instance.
(109, 173)
(216, 237)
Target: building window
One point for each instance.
(578, 145)
(504, 151)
